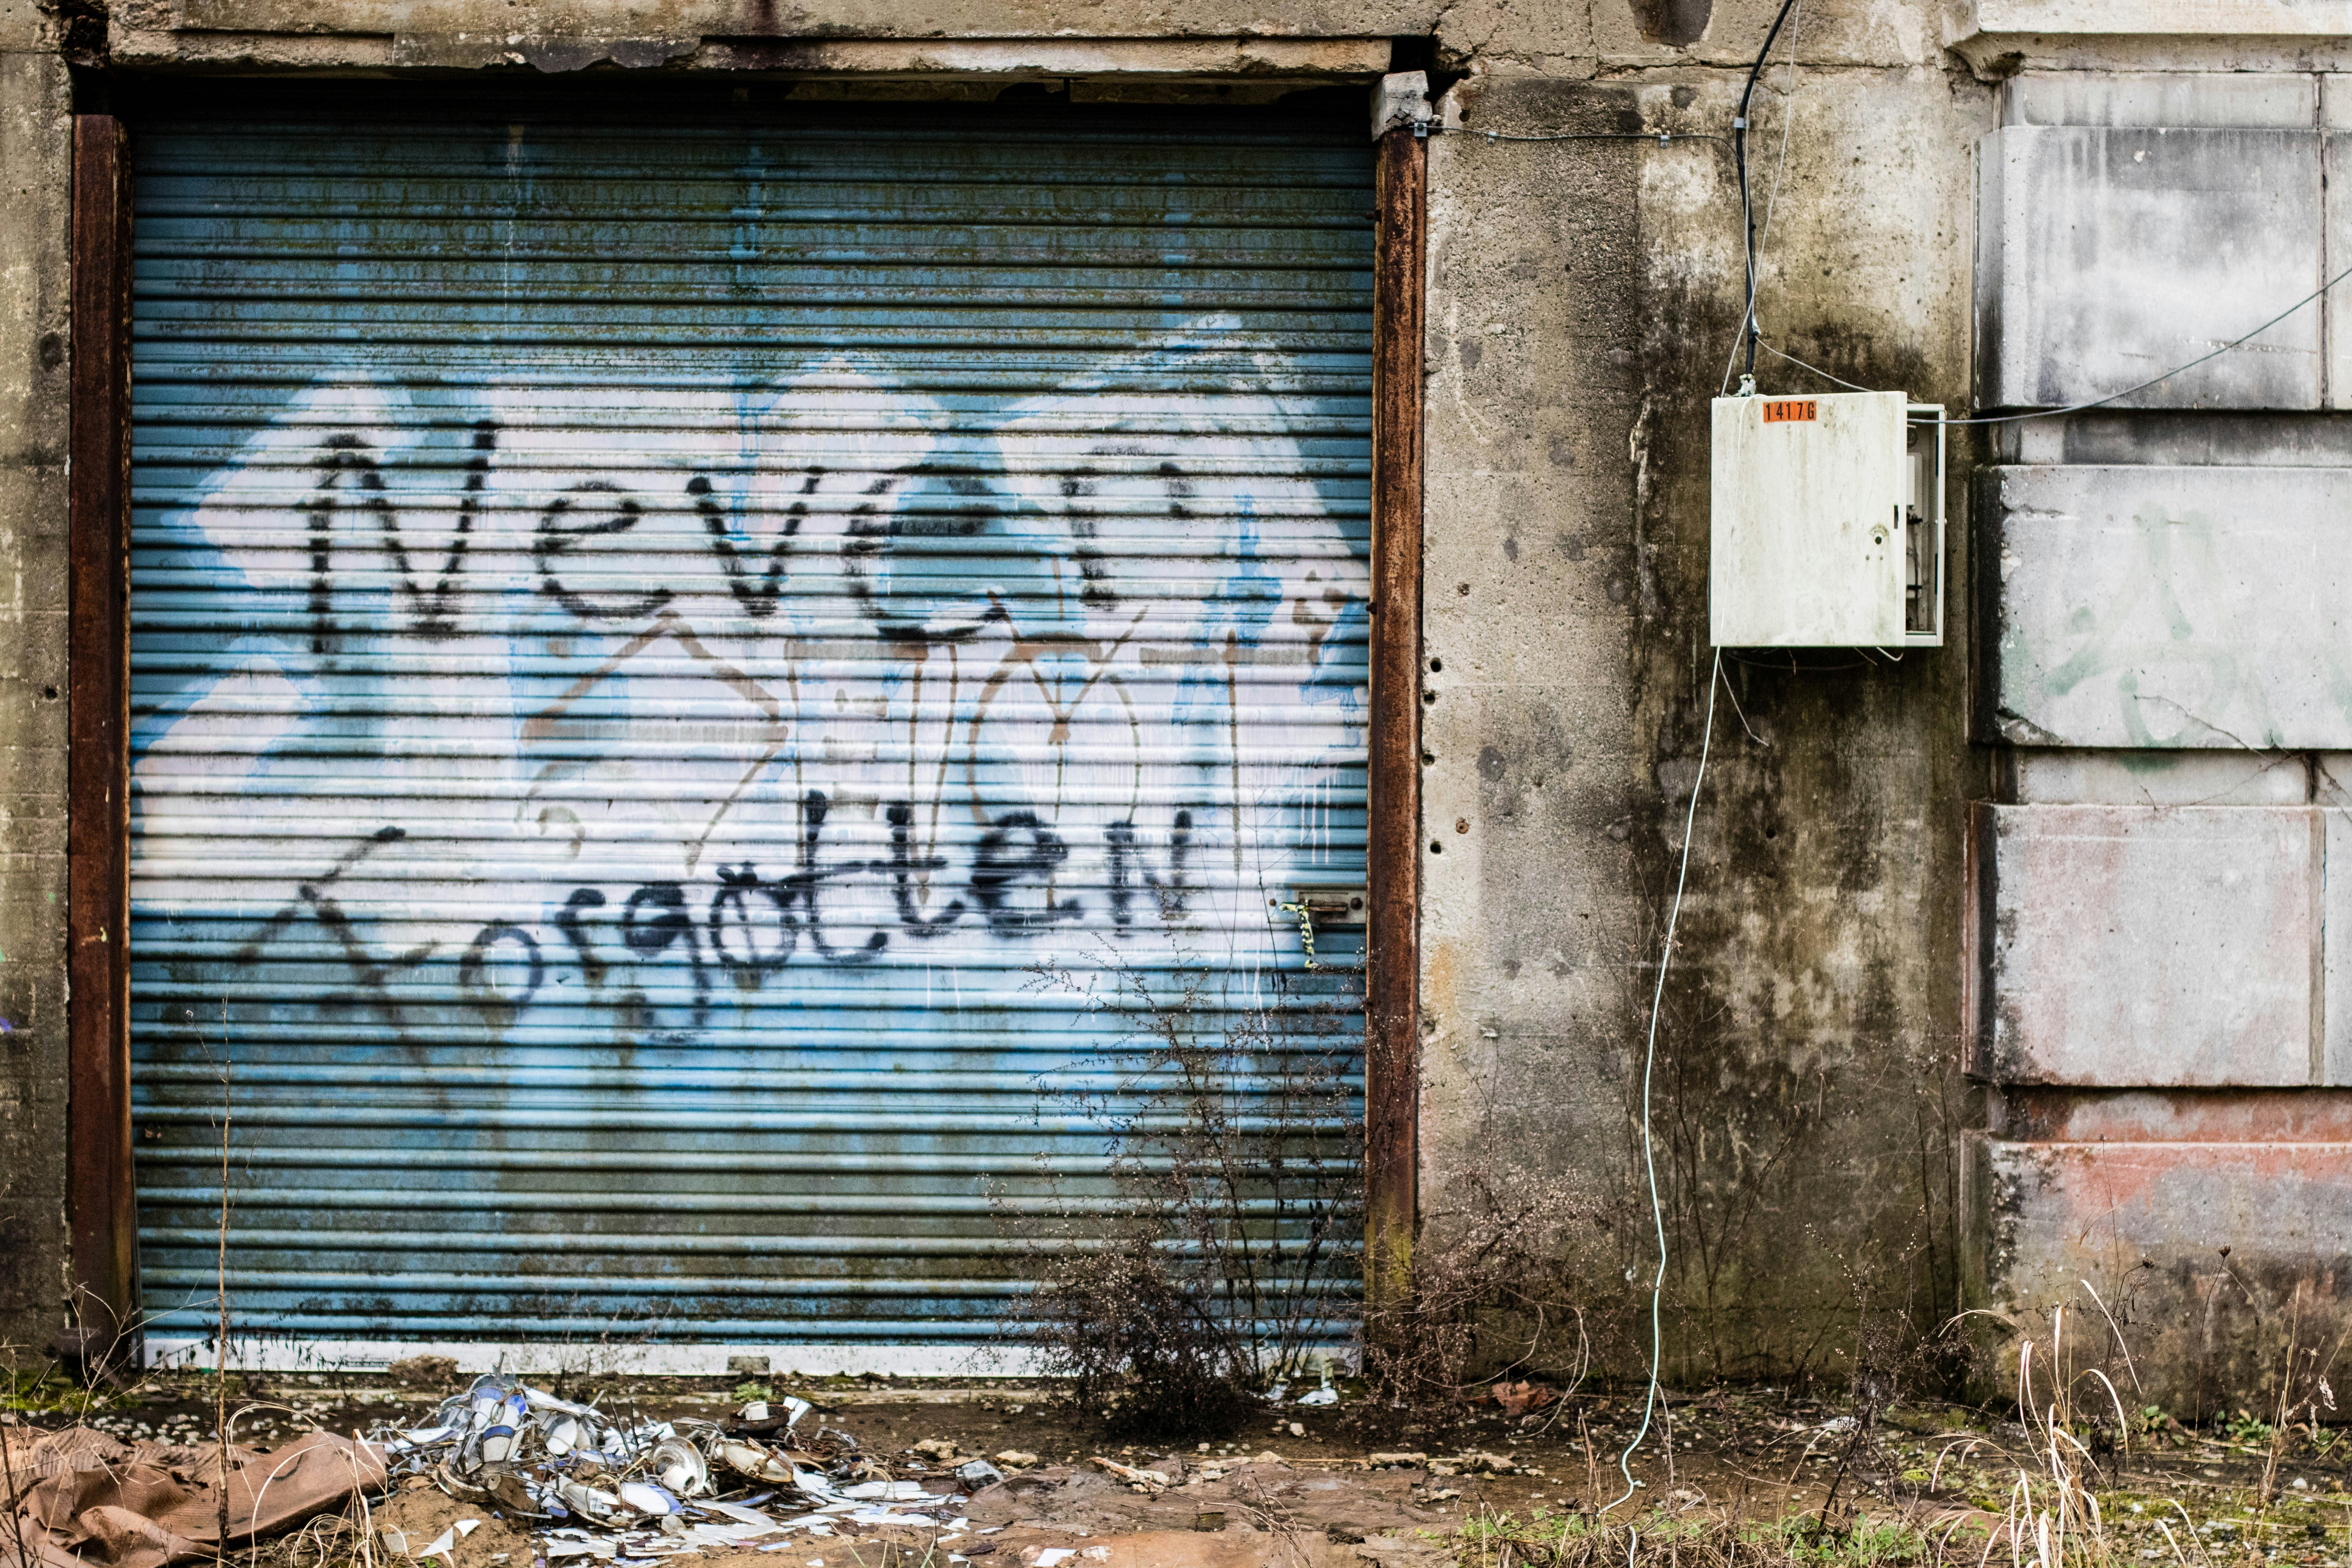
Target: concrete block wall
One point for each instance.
(2209, 1224)
(2177, 945)
(2161, 920)
(1584, 298)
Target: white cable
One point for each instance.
(1649, 1060)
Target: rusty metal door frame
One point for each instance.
(102, 1200)
(1391, 997)
(101, 1203)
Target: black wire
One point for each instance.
(1658, 136)
(2097, 402)
(1739, 157)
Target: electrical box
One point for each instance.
(1827, 522)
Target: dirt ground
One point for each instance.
(1306, 1477)
(421, 1514)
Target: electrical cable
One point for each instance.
(1779, 167)
(1739, 160)
(2097, 402)
(1649, 1060)
(1659, 137)
(1793, 359)
(1690, 816)
(2151, 381)
(1756, 243)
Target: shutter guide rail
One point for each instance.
(102, 1216)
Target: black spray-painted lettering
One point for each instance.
(905, 867)
(807, 879)
(557, 538)
(751, 926)
(1017, 850)
(1127, 860)
(758, 598)
(567, 920)
(340, 454)
(500, 1005)
(371, 972)
(651, 933)
(345, 461)
(434, 616)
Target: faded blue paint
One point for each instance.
(642, 643)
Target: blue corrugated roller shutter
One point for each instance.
(660, 656)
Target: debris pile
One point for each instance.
(586, 1484)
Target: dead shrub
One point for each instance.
(1137, 1346)
(1492, 1293)
(1221, 1250)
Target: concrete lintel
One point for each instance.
(1996, 24)
(1996, 38)
(1194, 59)
(2241, 100)
(1321, 58)
(1992, 22)
(158, 51)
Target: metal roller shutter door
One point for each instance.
(644, 643)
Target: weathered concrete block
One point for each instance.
(2156, 778)
(2092, 1208)
(2172, 607)
(2213, 1252)
(2085, 287)
(2335, 1048)
(2123, 946)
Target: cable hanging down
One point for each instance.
(1649, 1062)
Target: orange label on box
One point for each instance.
(1785, 410)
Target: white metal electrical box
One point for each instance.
(1827, 522)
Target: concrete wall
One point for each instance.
(1832, 1182)
(35, 166)
(1584, 301)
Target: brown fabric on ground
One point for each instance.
(79, 1497)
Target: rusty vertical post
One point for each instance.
(1393, 1009)
(101, 1204)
